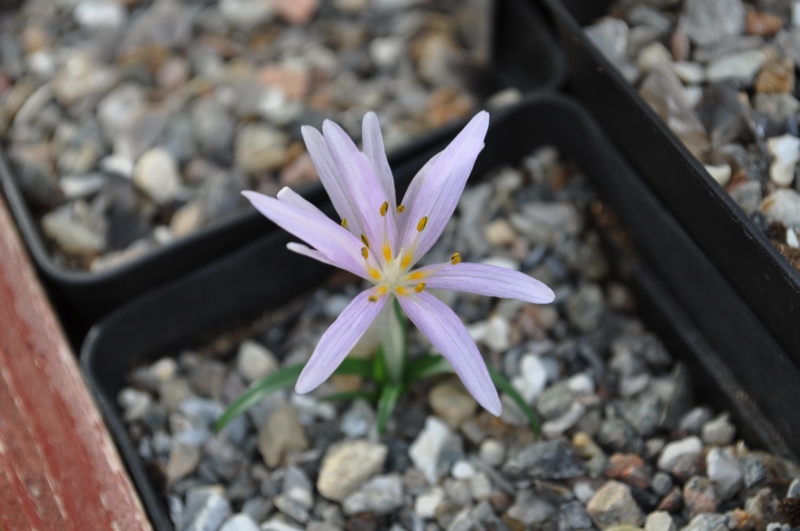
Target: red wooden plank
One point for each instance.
(58, 467)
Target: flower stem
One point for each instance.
(394, 342)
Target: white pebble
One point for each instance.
(425, 504)
(674, 451)
(427, 447)
(721, 173)
(492, 452)
(791, 239)
(786, 150)
(462, 470)
(689, 72)
(96, 15)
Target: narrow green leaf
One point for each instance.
(351, 395)
(426, 366)
(356, 367)
(390, 394)
(504, 385)
(285, 377)
(379, 367)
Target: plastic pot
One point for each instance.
(674, 281)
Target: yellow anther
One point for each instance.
(406, 260)
(365, 240)
(419, 287)
(456, 258)
(387, 253)
(372, 298)
(384, 208)
(374, 273)
(365, 252)
(400, 290)
(422, 223)
(400, 209)
(416, 275)
(344, 222)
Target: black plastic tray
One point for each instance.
(765, 280)
(738, 366)
(523, 55)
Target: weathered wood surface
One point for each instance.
(58, 466)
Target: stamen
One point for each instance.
(365, 252)
(387, 253)
(416, 275)
(372, 298)
(365, 240)
(422, 223)
(344, 222)
(381, 291)
(374, 273)
(456, 258)
(406, 260)
(400, 290)
(384, 208)
(400, 209)
(420, 287)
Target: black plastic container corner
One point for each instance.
(523, 55)
(675, 283)
(765, 280)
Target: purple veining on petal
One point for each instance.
(489, 280)
(449, 336)
(339, 339)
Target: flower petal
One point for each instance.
(361, 184)
(439, 192)
(305, 250)
(412, 191)
(489, 280)
(376, 153)
(337, 245)
(339, 340)
(287, 195)
(450, 337)
(331, 180)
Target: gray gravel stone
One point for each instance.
(709, 21)
(380, 495)
(546, 460)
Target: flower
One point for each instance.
(382, 241)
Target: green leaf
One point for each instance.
(379, 367)
(504, 385)
(356, 367)
(351, 395)
(390, 394)
(285, 377)
(426, 366)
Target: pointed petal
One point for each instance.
(305, 250)
(360, 183)
(335, 243)
(331, 178)
(339, 340)
(376, 153)
(450, 337)
(440, 191)
(287, 195)
(486, 279)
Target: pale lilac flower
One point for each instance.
(381, 242)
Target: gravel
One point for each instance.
(183, 104)
(722, 75)
(613, 455)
